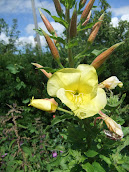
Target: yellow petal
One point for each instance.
(49, 105)
(93, 106)
(88, 80)
(67, 78)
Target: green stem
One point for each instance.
(70, 56)
(59, 63)
(64, 110)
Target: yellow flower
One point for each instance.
(78, 89)
(111, 83)
(49, 105)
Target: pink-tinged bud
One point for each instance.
(58, 8)
(52, 46)
(87, 10)
(45, 73)
(87, 20)
(49, 105)
(73, 24)
(115, 129)
(54, 116)
(82, 3)
(99, 60)
(111, 83)
(95, 29)
(47, 23)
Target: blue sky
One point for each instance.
(22, 11)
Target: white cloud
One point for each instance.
(4, 38)
(115, 20)
(120, 11)
(125, 17)
(24, 6)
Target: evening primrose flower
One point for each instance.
(111, 83)
(49, 105)
(78, 89)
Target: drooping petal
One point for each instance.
(67, 78)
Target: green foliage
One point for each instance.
(29, 137)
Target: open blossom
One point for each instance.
(49, 105)
(111, 83)
(78, 89)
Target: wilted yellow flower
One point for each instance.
(49, 105)
(78, 89)
(111, 83)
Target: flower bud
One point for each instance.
(73, 24)
(111, 83)
(87, 10)
(52, 46)
(82, 3)
(58, 8)
(49, 105)
(47, 23)
(99, 60)
(45, 73)
(86, 21)
(95, 30)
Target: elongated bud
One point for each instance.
(47, 23)
(95, 29)
(87, 10)
(112, 126)
(87, 20)
(49, 105)
(73, 24)
(45, 73)
(58, 7)
(52, 46)
(111, 83)
(99, 60)
(82, 3)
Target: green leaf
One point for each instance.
(106, 159)
(11, 143)
(98, 167)
(88, 167)
(27, 150)
(117, 103)
(125, 166)
(120, 169)
(61, 21)
(91, 153)
(97, 52)
(61, 119)
(12, 69)
(22, 126)
(60, 148)
(47, 11)
(59, 39)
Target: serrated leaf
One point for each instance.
(91, 153)
(118, 103)
(98, 167)
(120, 169)
(88, 167)
(106, 159)
(27, 150)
